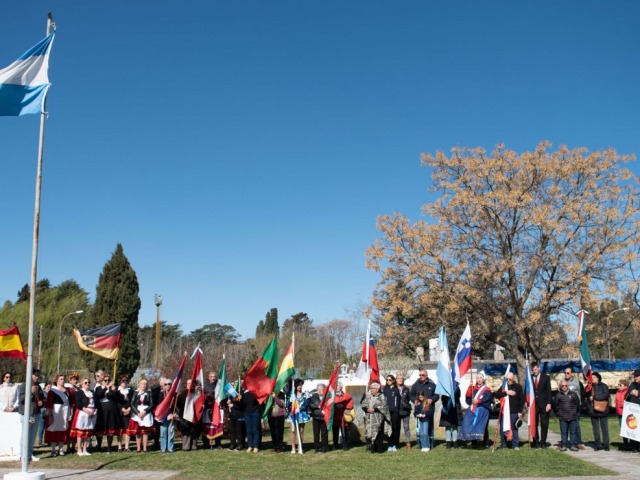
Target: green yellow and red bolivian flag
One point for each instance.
(102, 341)
(287, 370)
(11, 344)
(261, 377)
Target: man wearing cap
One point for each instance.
(566, 405)
(513, 391)
(633, 396)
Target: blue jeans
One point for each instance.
(515, 436)
(167, 432)
(424, 439)
(33, 430)
(252, 421)
(570, 428)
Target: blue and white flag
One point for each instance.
(443, 371)
(24, 83)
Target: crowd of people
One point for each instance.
(83, 415)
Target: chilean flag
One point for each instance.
(462, 359)
(531, 401)
(368, 370)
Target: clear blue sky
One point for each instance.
(241, 151)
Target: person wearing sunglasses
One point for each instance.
(8, 393)
(392, 395)
(514, 394)
(84, 419)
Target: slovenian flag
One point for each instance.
(531, 401)
(462, 360)
(24, 83)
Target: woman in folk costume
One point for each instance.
(74, 381)
(58, 416)
(141, 423)
(476, 418)
(84, 419)
(125, 393)
(109, 420)
(377, 417)
(297, 405)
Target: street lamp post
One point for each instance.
(77, 312)
(158, 302)
(608, 332)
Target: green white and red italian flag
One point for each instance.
(585, 356)
(261, 377)
(287, 370)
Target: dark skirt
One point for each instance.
(109, 421)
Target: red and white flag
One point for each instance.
(194, 403)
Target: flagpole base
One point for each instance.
(25, 476)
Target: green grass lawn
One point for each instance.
(587, 431)
(439, 463)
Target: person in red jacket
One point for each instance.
(623, 388)
(343, 403)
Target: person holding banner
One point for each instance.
(237, 430)
(633, 396)
(599, 412)
(320, 434)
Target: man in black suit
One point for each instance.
(542, 389)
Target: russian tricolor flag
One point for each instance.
(531, 401)
(462, 360)
(24, 83)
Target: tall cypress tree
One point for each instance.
(118, 300)
(271, 326)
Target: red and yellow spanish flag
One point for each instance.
(103, 341)
(11, 344)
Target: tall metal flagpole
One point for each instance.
(32, 296)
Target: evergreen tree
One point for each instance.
(24, 293)
(260, 329)
(271, 326)
(117, 300)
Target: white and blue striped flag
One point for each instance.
(24, 83)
